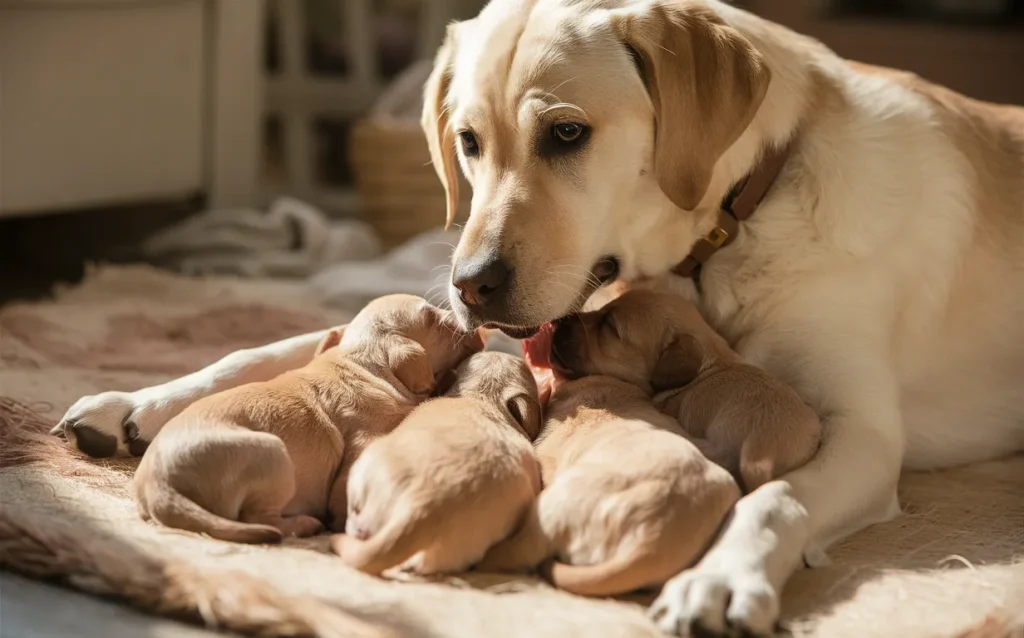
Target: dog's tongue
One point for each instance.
(537, 352)
(537, 349)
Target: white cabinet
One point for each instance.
(104, 102)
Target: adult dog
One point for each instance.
(879, 276)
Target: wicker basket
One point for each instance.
(401, 194)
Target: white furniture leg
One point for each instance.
(236, 101)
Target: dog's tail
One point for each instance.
(173, 509)
(523, 550)
(398, 541)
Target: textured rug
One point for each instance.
(951, 565)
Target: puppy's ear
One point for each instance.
(706, 82)
(331, 340)
(525, 409)
(440, 137)
(679, 364)
(410, 364)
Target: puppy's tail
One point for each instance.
(173, 509)
(649, 565)
(395, 543)
(526, 548)
(756, 467)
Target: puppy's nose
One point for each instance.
(480, 283)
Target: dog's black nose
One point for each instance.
(480, 283)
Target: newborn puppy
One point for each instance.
(453, 479)
(628, 501)
(754, 425)
(269, 459)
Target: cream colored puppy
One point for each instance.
(270, 459)
(742, 418)
(628, 501)
(453, 479)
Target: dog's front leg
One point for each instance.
(121, 423)
(849, 484)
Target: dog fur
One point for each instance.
(453, 479)
(271, 459)
(628, 501)
(740, 417)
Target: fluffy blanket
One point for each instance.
(951, 565)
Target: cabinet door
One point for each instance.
(100, 104)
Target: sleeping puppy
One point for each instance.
(747, 421)
(628, 501)
(271, 459)
(453, 479)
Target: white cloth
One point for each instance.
(290, 239)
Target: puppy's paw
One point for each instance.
(713, 602)
(113, 423)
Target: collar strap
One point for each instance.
(738, 205)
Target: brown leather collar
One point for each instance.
(739, 204)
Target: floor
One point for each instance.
(31, 609)
(39, 251)
(35, 254)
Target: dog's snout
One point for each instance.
(481, 283)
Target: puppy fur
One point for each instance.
(271, 459)
(454, 478)
(628, 501)
(742, 418)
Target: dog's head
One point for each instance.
(417, 342)
(503, 380)
(581, 129)
(653, 340)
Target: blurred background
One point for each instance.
(280, 137)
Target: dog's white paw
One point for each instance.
(714, 601)
(113, 423)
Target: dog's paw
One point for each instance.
(710, 602)
(112, 424)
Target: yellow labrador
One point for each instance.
(269, 459)
(453, 479)
(745, 420)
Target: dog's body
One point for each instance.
(270, 459)
(876, 277)
(742, 418)
(628, 501)
(453, 479)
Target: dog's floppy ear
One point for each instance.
(331, 340)
(440, 137)
(525, 409)
(409, 362)
(706, 82)
(678, 365)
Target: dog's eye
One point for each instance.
(568, 132)
(469, 145)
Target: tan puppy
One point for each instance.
(628, 501)
(456, 477)
(269, 459)
(754, 425)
